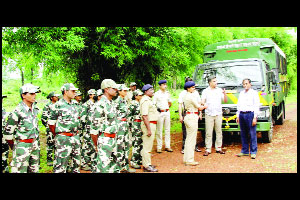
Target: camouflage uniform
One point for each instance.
(49, 134)
(66, 118)
(128, 99)
(135, 127)
(78, 107)
(88, 152)
(122, 136)
(5, 146)
(104, 124)
(22, 126)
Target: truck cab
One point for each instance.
(234, 61)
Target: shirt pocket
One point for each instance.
(26, 124)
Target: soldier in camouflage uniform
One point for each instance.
(123, 136)
(88, 152)
(5, 147)
(135, 127)
(129, 97)
(45, 116)
(90, 145)
(64, 124)
(104, 128)
(99, 94)
(78, 104)
(22, 132)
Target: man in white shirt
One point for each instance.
(213, 96)
(162, 100)
(247, 110)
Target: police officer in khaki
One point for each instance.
(162, 100)
(192, 108)
(149, 115)
(129, 95)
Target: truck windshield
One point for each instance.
(229, 73)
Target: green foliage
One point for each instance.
(87, 55)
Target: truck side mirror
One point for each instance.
(272, 76)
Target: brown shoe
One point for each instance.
(206, 153)
(220, 152)
(168, 149)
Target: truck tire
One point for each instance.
(280, 120)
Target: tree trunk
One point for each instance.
(31, 75)
(174, 83)
(22, 77)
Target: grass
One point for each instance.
(292, 97)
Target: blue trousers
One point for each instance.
(246, 130)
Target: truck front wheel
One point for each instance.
(268, 135)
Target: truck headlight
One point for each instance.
(264, 113)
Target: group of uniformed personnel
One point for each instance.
(96, 135)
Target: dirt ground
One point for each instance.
(279, 156)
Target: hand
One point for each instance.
(10, 143)
(149, 133)
(224, 91)
(254, 121)
(237, 120)
(181, 119)
(201, 108)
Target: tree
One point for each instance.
(87, 55)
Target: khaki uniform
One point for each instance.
(161, 100)
(148, 108)
(191, 123)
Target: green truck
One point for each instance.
(259, 59)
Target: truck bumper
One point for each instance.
(260, 126)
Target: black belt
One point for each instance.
(246, 111)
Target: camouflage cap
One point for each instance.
(68, 86)
(137, 92)
(29, 88)
(132, 84)
(78, 93)
(92, 91)
(51, 94)
(99, 92)
(108, 83)
(122, 87)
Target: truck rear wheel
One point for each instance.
(280, 120)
